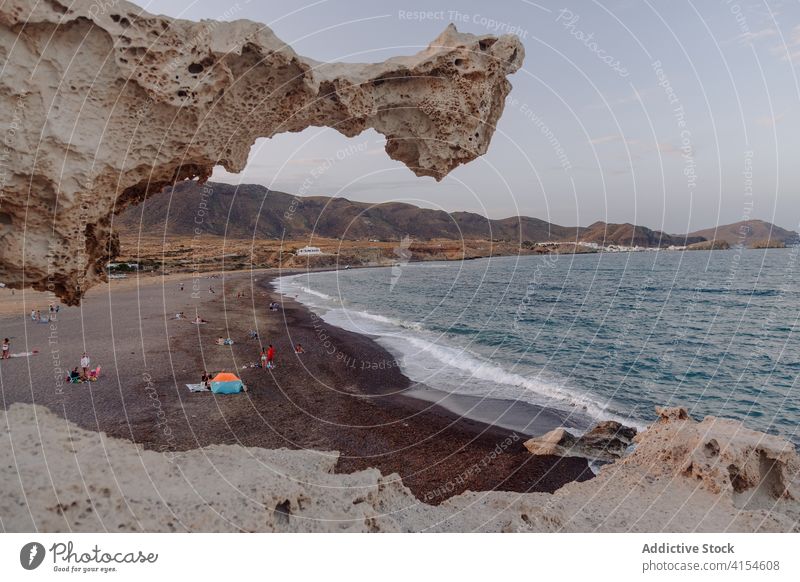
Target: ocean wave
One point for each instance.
(292, 285)
(469, 364)
(392, 321)
(319, 294)
(738, 292)
(351, 314)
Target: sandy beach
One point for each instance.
(345, 393)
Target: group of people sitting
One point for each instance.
(83, 373)
(36, 314)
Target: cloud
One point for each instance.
(666, 147)
(634, 97)
(621, 171)
(612, 139)
(771, 120)
(751, 37)
(789, 51)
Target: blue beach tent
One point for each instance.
(226, 383)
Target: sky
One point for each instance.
(673, 114)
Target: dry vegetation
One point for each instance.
(212, 253)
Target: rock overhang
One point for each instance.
(109, 104)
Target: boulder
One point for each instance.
(606, 441)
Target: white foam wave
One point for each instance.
(384, 319)
(476, 368)
(319, 294)
(293, 285)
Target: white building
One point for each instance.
(307, 250)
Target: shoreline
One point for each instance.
(316, 402)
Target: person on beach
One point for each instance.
(85, 363)
(181, 286)
(211, 290)
(75, 376)
(206, 380)
(263, 358)
(270, 357)
(38, 315)
(33, 315)
(58, 307)
(298, 349)
(6, 349)
(198, 320)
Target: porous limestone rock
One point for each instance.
(106, 484)
(59, 477)
(103, 104)
(725, 457)
(683, 476)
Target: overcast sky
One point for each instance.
(672, 114)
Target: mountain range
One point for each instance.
(251, 210)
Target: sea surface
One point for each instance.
(601, 336)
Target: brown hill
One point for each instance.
(249, 210)
(750, 232)
(604, 233)
(709, 245)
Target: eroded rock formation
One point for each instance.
(710, 476)
(724, 457)
(103, 104)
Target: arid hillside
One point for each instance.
(752, 233)
(250, 210)
(604, 234)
